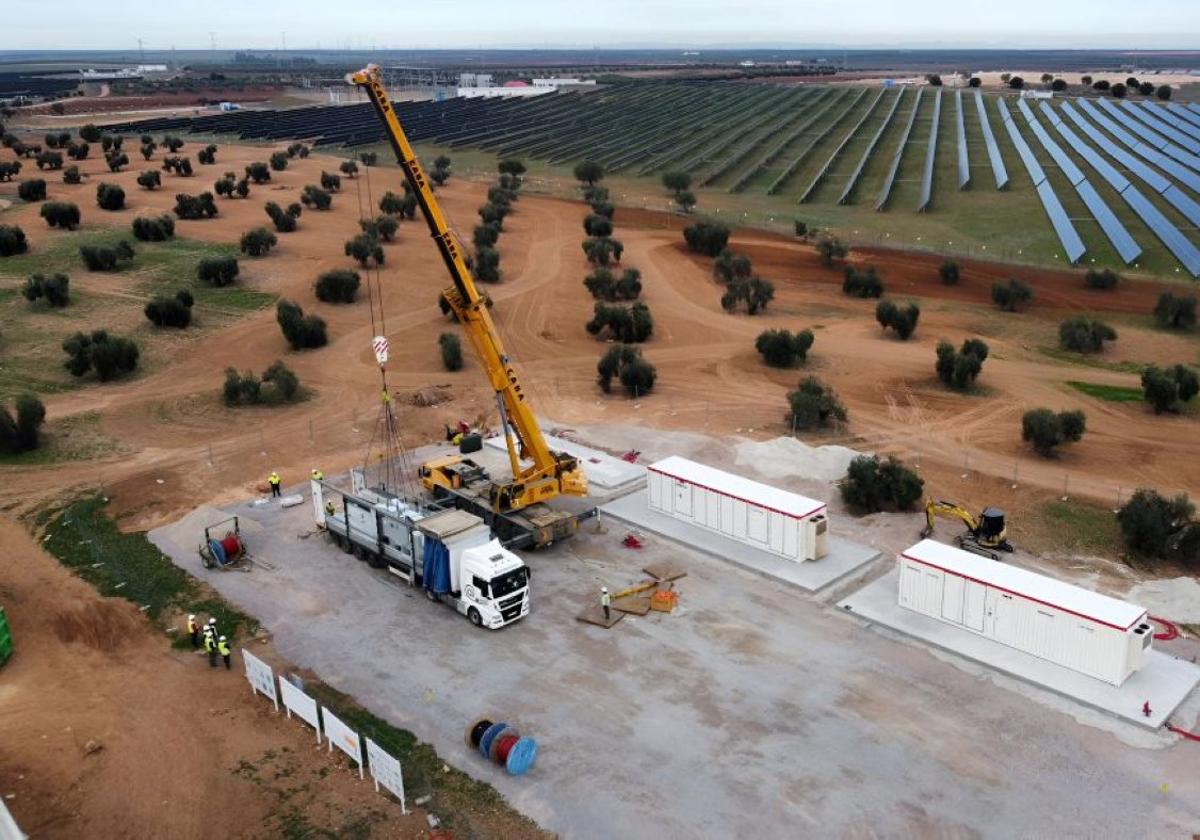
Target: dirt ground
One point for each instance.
(110, 733)
(169, 424)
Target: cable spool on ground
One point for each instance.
(504, 734)
(475, 732)
(501, 744)
(485, 741)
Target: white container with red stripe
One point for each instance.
(1071, 626)
(787, 524)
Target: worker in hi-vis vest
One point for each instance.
(605, 602)
(317, 475)
(193, 631)
(223, 649)
(274, 481)
(210, 647)
(330, 510)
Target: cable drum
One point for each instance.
(501, 744)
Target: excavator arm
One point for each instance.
(549, 473)
(950, 510)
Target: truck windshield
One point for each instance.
(510, 582)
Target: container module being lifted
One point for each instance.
(451, 554)
(1071, 626)
(787, 524)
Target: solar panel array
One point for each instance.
(1124, 243)
(930, 154)
(886, 192)
(989, 140)
(1067, 235)
(1157, 120)
(866, 155)
(1150, 153)
(824, 170)
(960, 128)
(1147, 174)
(1143, 130)
(1183, 113)
(1179, 124)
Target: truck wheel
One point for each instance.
(376, 562)
(475, 617)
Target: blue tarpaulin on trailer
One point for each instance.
(436, 574)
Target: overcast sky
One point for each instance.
(1113, 24)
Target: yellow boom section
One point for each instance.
(551, 473)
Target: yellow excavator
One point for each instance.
(985, 534)
(514, 509)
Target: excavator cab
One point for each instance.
(991, 526)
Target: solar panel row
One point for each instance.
(964, 160)
(1176, 122)
(930, 154)
(1184, 114)
(1177, 197)
(1124, 243)
(1067, 235)
(1106, 170)
(1181, 172)
(821, 173)
(989, 140)
(1178, 244)
(886, 192)
(866, 155)
(1150, 136)
(1156, 119)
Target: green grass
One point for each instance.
(1090, 360)
(127, 565)
(1079, 527)
(75, 438)
(1110, 393)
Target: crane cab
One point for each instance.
(450, 473)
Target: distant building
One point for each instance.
(559, 82)
(501, 92)
(1037, 94)
(475, 80)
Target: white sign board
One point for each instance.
(343, 737)
(261, 677)
(295, 700)
(385, 770)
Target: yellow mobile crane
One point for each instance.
(514, 509)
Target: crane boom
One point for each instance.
(550, 473)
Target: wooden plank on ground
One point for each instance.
(595, 615)
(665, 571)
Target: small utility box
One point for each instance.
(787, 524)
(1071, 626)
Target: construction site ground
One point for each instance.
(752, 710)
(110, 732)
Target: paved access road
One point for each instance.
(754, 711)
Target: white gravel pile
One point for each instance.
(786, 457)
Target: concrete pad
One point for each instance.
(595, 615)
(844, 557)
(1163, 680)
(606, 472)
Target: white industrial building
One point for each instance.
(559, 81)
(1077, 628)
(500, 92)
(773, 520)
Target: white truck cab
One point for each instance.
(494, 586)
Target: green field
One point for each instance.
(1109, 393)
(31, 334)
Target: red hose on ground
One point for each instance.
(1191, 736)
(1171, 631)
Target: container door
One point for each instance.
(726, 515)
(973, 596)
(777, 522)
(793, 531)
(712, 517)
(654, 482)
(683, 498)
(739, 519)
(756, 524)
(952, 598)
